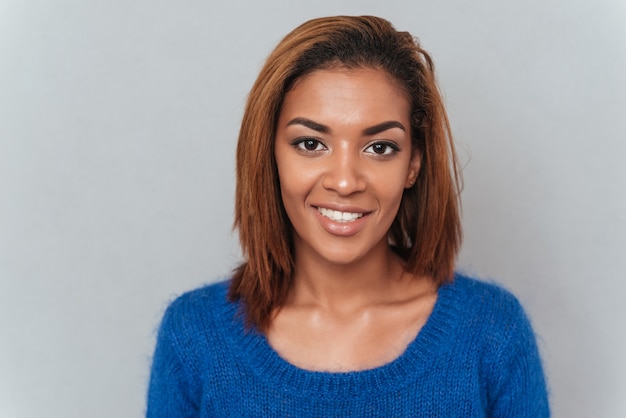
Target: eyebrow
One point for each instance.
(381, 127)
(372, 130)
(309, 124)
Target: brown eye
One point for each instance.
(382, 148)
(379, 148)
(309, 144)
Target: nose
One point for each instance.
(344, 173)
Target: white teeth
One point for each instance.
(338, 216)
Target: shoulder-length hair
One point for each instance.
(426, 232)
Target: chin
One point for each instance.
(341, 260)
(343, 256)
(342, 251)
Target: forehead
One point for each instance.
(346, 95)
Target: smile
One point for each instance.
(339, 216)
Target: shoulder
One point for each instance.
(194, 325)
(187, 339)
(191, 312)
(197, 298)
(491, 311)
(487, 290)
(496, 328)
(485, 298)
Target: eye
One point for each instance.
(309, 144)
(382, 148)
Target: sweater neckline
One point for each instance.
(433, 339)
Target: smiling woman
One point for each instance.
(344, 157)
(347, 209)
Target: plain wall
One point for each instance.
(118, 124)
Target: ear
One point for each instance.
(414, 169)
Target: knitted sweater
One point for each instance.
(475, 356)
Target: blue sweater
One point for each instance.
(476, 356)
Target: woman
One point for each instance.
(347, 211)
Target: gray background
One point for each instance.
(118, 122)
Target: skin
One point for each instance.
(343, 143)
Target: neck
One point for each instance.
(346, 287)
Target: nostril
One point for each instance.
(344, 184)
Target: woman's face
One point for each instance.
(344, 157)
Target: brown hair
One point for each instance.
(426, 232)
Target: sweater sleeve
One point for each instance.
(170, 392)
(518, 387)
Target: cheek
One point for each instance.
(294, 187)
(390, 192)
(393, 199)
(295, 179)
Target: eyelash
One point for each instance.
(301, 145)
(389, 146)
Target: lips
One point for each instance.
(342, 221)
(339, 216)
